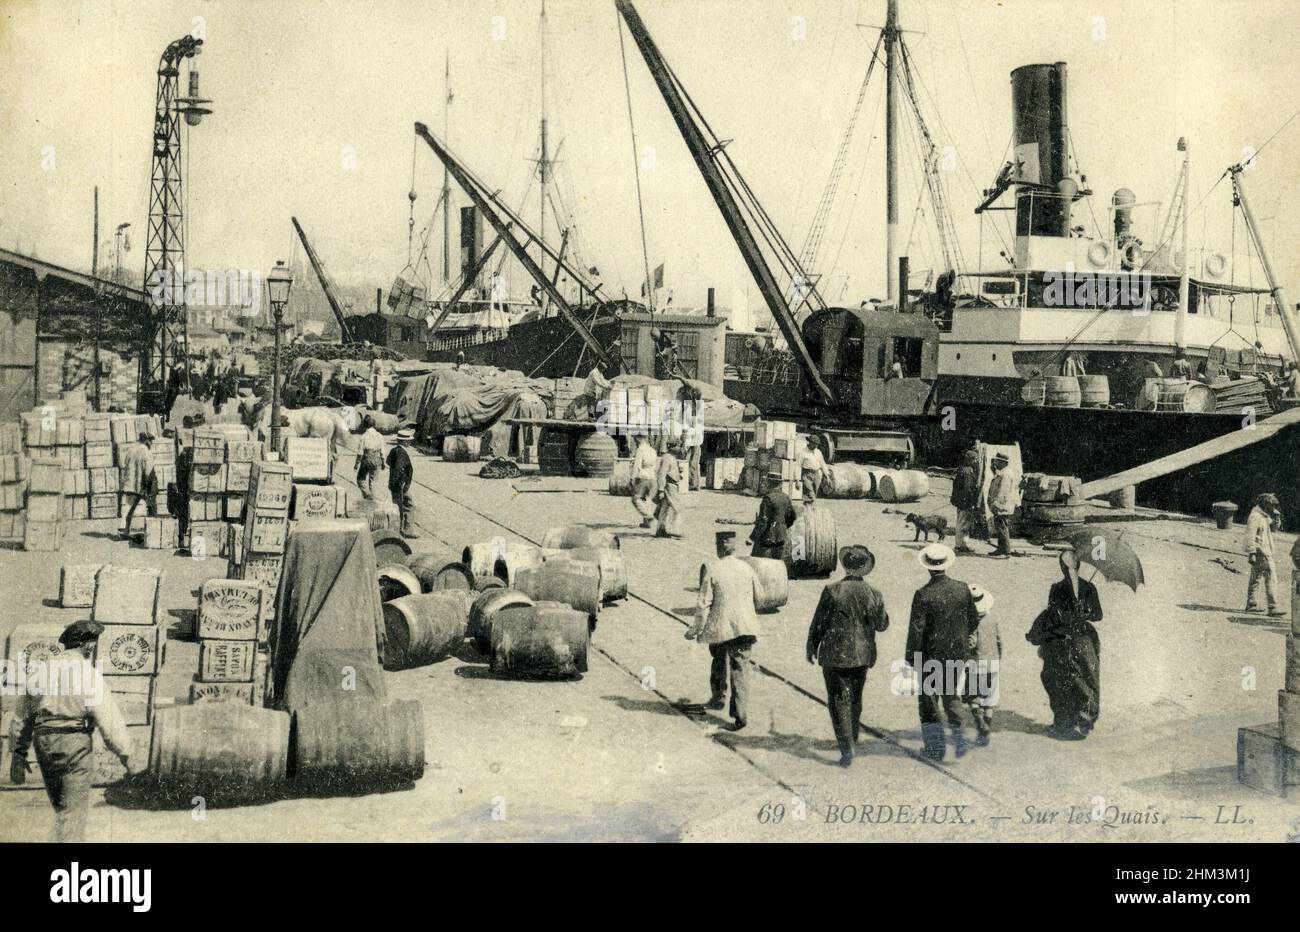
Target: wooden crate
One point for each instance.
(45, 475)
(129, 650)
(1264, 763)
(13, 496)
(121, 428)
(99, 456)
(13, 467)
(127, 595)
(161, 533)
(222, 661)
(232, 508)
(238, 476)
(315, 501)
(44, 507)
(103, 480)
(39, 427)
(78, 507)
(207, 539)
(243, 451)
(77, 584)
(241, 693)
(270, 487)
(230, 609)
(265, 533)
(134, 696)
(76, 482)
(11, 438)
(265, 570)
(96, 429)
(43, 536)
(308, 458)
(34, 643)
(104, 505)
(207, 507)
(208, 479)
(70, 457)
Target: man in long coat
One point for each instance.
(842, 639)
(776, 515)
(725, 619)
(944, 617)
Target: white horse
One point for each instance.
(331, 423)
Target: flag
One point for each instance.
(670, 298)
(659, 276)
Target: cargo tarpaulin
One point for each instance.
(329, 631)
(404, 400)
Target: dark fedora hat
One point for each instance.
(856, 558)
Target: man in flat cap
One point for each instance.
(944, 617)
(1264, 519)
(842, 638)
(60, 718)
(775, 516)
(725, 619)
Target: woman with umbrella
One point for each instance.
(1070, 649)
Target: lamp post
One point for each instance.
(278, 284)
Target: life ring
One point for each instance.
(1099, 254)
(1215, 264)
(1132, 256)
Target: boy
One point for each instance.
(982, 677)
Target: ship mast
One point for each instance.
(891, 153)
(543, 162)
(446, 176)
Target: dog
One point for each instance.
(927, 524)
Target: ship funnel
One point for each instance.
(1121, 203)
(1041, 137)
(471, 239)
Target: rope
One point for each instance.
(636, 170)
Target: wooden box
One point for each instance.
(162, 451)
(161, 533)
(315, 501)
(71, 457)
(45, 475)
(165, 473)
(77, 584)
(34, 643)
(207, 507)
(103, 505)
(96, 429)
(238, 476)
(13, 467)
(121, 429)
(207, 479)
(129, 650)
(68, 431)
(222, 661)
(308, 458)
(243, 451)
(1264, 763)
(265, 570)
(207, 539)
(76, 482)
(230, 609)
(39, 427)
(208, 456)
(241, 693)
(13, 496)
(134, 696)
(102, 479)
(265, 533)
(270, 487)
(43, 536)
(44, 507)
(232, 508)
(11, 438)
(78, 507)
(99, 456)
(127, 595)
(108, 766)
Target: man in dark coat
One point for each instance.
(966, 498)
(400, 474)
(1070, 649)
(842, 638)
(775, 515)
(944, 617)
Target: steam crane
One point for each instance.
(327, 285)
(719, 185)
(505, 221)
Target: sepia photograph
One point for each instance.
(632, 421)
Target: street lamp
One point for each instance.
(278, 284)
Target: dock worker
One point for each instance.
(372, 457)
(1291, 380)
(842, 640)
(644, 471)
(668, 494)
(812, 470)
(776, 515)
(400, 474)
(1182, 367)
(60, 719)
(178, 492)
(139, 481)
(944, 616)
(726, 620)
(966, 497)
(1002, 503)
(1264, 519)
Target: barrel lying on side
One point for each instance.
(494, 558)
(485, 608)
(424, 628)
(579, 535)
(572, 582)
(904, 485)
(810, 548)
(844, 481)
(773, 583)
(396, 581)
(610, 563)
(543, 641)
(219, 744)
(440, 571)
(359, 741)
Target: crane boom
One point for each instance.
(703, 154)
(345, 334)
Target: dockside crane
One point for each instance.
(327, 285)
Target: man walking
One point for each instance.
(966, 498)
(1264, 519)
(645, 462)
(400, 474)
(138, 481)
(725, 620)
(812, 470)
(842, 639)
(372, 457)
(1002, 503)
(944, 616)
(60, 720)
(775, 516)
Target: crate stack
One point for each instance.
(13, 490)
(232, 621)
(46, 512)
(777, 447)
(101, 473)
(241, 454)
(126, 602)
(207, 492)
(260, 553)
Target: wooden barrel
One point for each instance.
(424, 628)
(1034, 391)
(460, 448)
(1224, 513)
(396, 581)
(499, 559)
(773, 583)
(543, 641)
(359, 741)
(219, 743)
(1188, 396)
(1062, 391)
(613, 569)
(595, 454)
(440, 571)
(554, 453)
(844, 481)
(484, 610)
(810, 547)
(484, 583)
(572, 582)
(620, 478)
(1094, 391)
(904, 485)
(390, 547)
(579, 535)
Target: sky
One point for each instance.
(314, 104)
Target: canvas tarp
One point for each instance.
(506, 438)
(328, 637)
(403, 400)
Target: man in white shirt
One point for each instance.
(372, 457)
(645, 462)
(65, 702)
(812, 470)
(725, 619)
(1264, 519)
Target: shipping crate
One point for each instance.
(270, 487)
(207, 479)
(11, 439)
(103, 505)
(230, 609)
(134, 696)
(234, 549)
(129, 650)
(161, 533)
(263, 569)
(76, 482)
(1264, 763)
(222, 661)
(77, 584)
(207, 539)
(315, 501)
(43, 536)
(45, 475)
(99, 456)
(78, 507)
(70, 457)
(127, 595)
(308, 458)
(232, 508)
(13, 496)
(208, 456)
(238, 476)
(108, 766)
(162, 450)
(122, 429)
(44, 507)
(241, 693)
(265, 533)
(13, 468)
(138, 520)
(165, 474)
(39, 427)
(122, 450)
(243, 451)
(68, 431)
(207, 507)
(33, 643)
(97, 429)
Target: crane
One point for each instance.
(326, 283)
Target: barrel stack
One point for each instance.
(1050, 508)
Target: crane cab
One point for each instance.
(877, 361)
